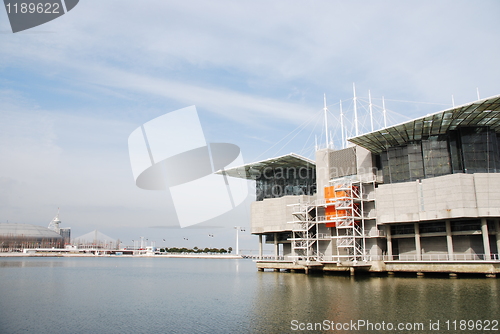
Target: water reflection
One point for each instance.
(126, 295)
(28, 263)
(280, 298)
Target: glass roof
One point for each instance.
(252, 170)
(484, 112)
(26, 230)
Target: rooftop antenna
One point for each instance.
(326, 119)
(342, 124)
(355, 110)
(384, 112)
(477, 90)
(453, 101)
(371, 109)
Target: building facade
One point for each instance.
(427, 190)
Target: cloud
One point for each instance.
(70, 98)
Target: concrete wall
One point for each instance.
(406, 246)
(364, 162)
(443, 197)
(322, 171)
(434, 245)
(273, 214)
(468, 244)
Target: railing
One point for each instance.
(435, 257)
(374, 233)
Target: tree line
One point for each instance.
(197, 250)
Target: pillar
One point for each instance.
(389, 242)
(260, 246)
(418, 248)
(486, 239)
(276, 246)
(449, 241)
(497, 228)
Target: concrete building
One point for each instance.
(421, 196)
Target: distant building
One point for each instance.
(96, 240)
(425, 190)
(15, 237)
(66, 234)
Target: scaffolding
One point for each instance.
(344, 209)
(304, 232)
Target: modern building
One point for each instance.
(421, 196)
(65, 232)
(16, 237)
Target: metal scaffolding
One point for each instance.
(345, 210)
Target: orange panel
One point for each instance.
(329, 192)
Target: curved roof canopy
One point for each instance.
(484, 112)
(253, 170)
(28, 231)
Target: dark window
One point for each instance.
(466, 225)
(402, 229)
(435, 156)
(480, 150)
(432, 227)
(279, 182)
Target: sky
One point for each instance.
(73, 90)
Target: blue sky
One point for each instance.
(72, 91)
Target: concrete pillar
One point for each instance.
(389, 242)
(418, 247)
(260, 246)
(352, 272)
(276, 246)
(497, 228)
(486, 239)
(449, 240)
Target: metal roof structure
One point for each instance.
(485, 112)
(27, 231)
(253, 170)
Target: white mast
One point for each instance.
(326, 119)
(371, 109)
(316, 142)
(384, 112)
(355, 110)
(342, 124)
(477, 90)
(452, 101)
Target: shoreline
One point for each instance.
(128, 256)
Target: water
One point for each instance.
(170, 295)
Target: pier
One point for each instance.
(490, 269)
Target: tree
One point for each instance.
(230, 249)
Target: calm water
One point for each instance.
(168, 295)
